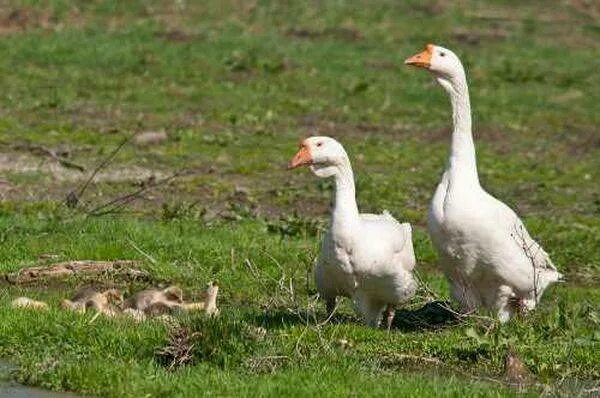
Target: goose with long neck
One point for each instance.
(485, 250)
(366, 257)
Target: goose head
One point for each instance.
(324, 155)
(441, 62)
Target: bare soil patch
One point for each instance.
(318, 126)
(430, 7)
(178, 36)
(581, 140)
(496, 33)
(502, 141)
(14, 20)
(348, 34)
(17, 20)
(19, 163)
(588, 8)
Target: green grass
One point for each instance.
(236, 85)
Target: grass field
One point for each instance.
(236, 84)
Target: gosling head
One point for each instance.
(212, 289)
(174, 293)
(441, 62)
(114, 296)
(323, 155)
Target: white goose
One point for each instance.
(485, 251)
(368, 257)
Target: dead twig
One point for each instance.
(430, 294)
(114, 205)
(326, 321)
(104, 163)
(140, 251)
(520, 237)
(179, 351)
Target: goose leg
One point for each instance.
(464, 296)
(390, 311)
(505, 298)
(330, 306)
(370, 311)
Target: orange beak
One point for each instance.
(422, 59)
(301, 158)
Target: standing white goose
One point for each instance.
(368, 257)
(485, 251)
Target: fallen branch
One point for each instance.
(74, 197)
(72, 268)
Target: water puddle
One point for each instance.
(12, 389)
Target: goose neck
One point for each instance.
(462, 162)
(345, 208)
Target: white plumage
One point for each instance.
(367, 257)
(485, 251)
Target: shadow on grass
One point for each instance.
(282, 317)
(433, 315)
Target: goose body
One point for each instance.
(372, 266)
(485, 250)
(367, 257)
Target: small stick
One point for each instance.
(104, 163)
(143, 253)
(114, 204)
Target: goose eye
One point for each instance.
(442, 54)
(319, 144)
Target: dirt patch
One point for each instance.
(306, 208)
(109, 119)
(26, 164)
(430, 8)
(581, 141)
(502, 142)
(177, 36)
(508, 14)
(348, 34)
(381, 64)
(5, 188)
(148, 138)
(46, 179)
(317, 126)
(247, 197)
(587, 8)
(14, 20)
(18, 20)
(496, 33)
